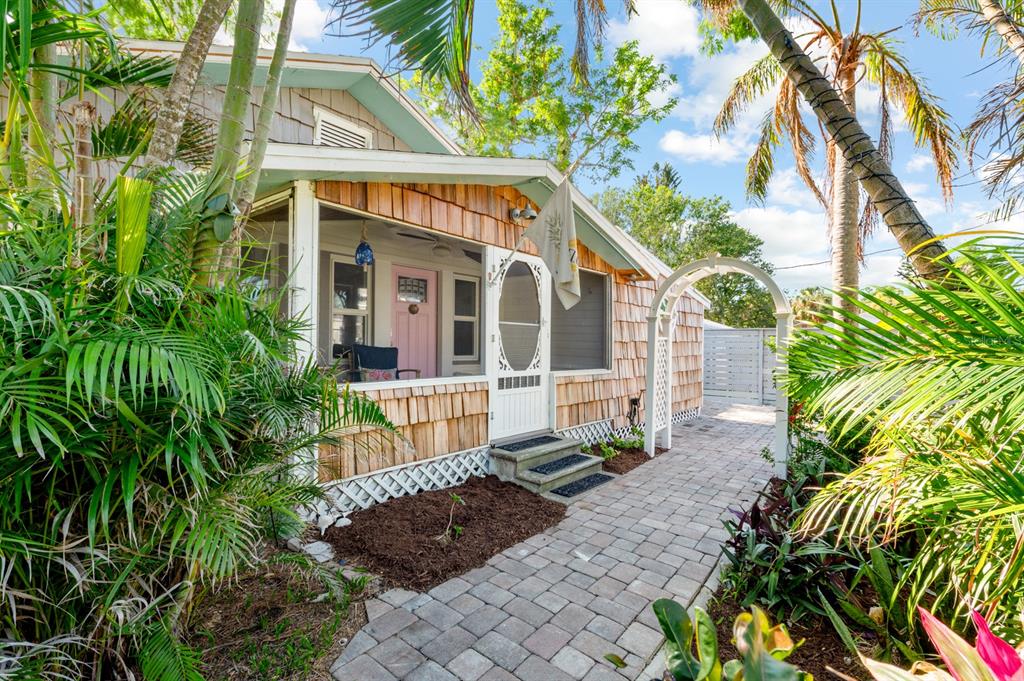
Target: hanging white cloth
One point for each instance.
(554, 233)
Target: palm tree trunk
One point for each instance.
(170, 118)
(245, 192)
(268, 107)
(42, 131)
(872, 170)
(844, 213)
(219, 221)
(1004, 26)
(83, 113)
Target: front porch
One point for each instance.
(480, 362)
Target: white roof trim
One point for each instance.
(309, 60)
(402, 166)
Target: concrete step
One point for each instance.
(540, 482)
(583, 486)
(509, 463)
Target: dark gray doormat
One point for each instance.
(527, 444)
(582, 485)
(558, 464)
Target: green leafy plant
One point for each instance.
(608, 452)
(931, 374)
(691, 646)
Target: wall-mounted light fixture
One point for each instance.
(527, 214)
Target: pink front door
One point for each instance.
(414, 320)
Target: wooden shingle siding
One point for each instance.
(481, 213)
(431, 420)
(294, 123)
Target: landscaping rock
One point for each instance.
(321, 551)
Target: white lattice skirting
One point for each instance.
(353, 494)
(602, 431)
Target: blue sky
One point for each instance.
(790, 221)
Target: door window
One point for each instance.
(519, 316)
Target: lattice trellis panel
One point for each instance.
(364, 491)
(591, 433)
(661, 410)
(685, 415)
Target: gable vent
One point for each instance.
(334, 131)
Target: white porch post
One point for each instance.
(783, 320)
(666, 434)
(304, 261)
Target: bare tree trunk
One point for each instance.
(1004, 26)
(219, 222)
(844, 212)
(872, 170)
(83, 114)
(42, 132)
(177, 98)
(246, 192)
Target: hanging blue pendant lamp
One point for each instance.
(364, 252)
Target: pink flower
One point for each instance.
(999, 655)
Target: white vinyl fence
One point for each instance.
(738, 364)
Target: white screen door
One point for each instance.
(518, 331)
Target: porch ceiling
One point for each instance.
(537, 179)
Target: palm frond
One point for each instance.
(435, 36)
(164, 658)
(761, 165)
(928, 121)
(755, 82)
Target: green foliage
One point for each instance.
(153, 431)
(679, 229)
(634, 442)
(932, 375)
(527, 103)
(608, 452)
(691, 646)
(155, 19)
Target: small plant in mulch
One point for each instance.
(451, 530)
(419, 541)
(286, 621)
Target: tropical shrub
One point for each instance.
(933, 373)
(155, 427)
(691, 651)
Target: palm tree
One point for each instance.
(176, 102)
(848, 54)
(1000, 118)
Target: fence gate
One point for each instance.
(740, 364)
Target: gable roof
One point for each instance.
(361, 77)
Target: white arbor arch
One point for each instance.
(658, 403)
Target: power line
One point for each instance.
(895, 248)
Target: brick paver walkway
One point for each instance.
(551, 607)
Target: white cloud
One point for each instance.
(919, 162)
(701, 148)
(307, 26)
(664, 30)
(788, 188)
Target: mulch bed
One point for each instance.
(822, 647)
(399, 538)
(270, 624)
(628, 459)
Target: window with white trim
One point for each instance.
(331, 130)
(581, 335)
(350, 305)
(466, 323)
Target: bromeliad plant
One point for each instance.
(691, 647)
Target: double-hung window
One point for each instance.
(466, 324)
(350, 304)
